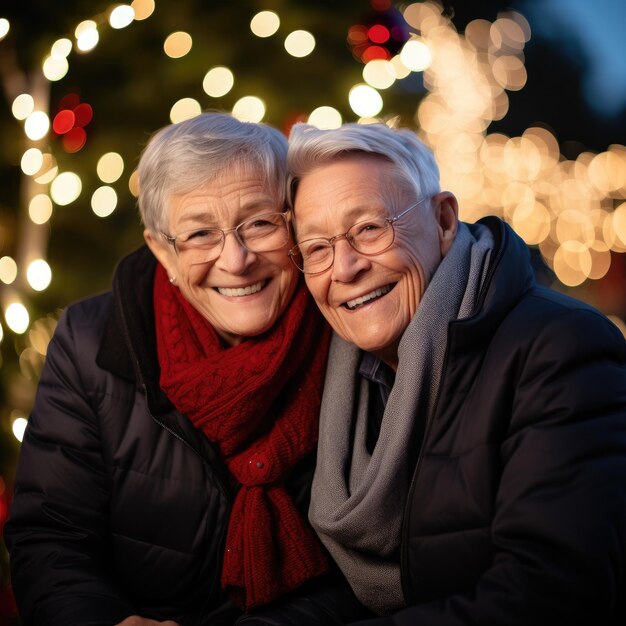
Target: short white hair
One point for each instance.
(413, 162)
(181, 157)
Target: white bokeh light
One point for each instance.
(365, 101)
(17, 317)
(39, 275)
(65, 188)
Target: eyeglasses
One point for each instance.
(370, 237)
(261, 233)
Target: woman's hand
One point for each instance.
(135, 620)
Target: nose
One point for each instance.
(235, 257)
(348, 262)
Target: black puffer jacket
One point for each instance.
(121, 505)
(517, 510)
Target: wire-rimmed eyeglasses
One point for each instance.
(261, 233)
(369, 237)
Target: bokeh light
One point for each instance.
(65, 188)
(365, 101)
(61, 48)
(104, 201)
(142, 9)
(87, 35)
(265, 24)
(110, 167)
(37, 125)
(38, 274)
(249, 109)
(184, 109)
(299, 43)
(40, 208)
(8, 270)
(218, 81)
(379, 73)
(121, 16)
(177, 44)
(22, 106)
(416, 55)
(5, 26)
(31, 162)
(55, 68)
(19, 427)
(17, 317)
(325, 117)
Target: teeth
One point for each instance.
(241, 291)
(353, 304)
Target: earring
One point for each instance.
(172, 279)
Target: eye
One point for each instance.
(314, 248)
(367, 229)
(202, 236)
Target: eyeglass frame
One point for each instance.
(284, 214)
(292, 252)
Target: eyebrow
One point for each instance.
(206, 217)
(351, 217)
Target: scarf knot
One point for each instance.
(259, 402)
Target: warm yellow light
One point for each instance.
(299, 43)
(31, 162)
(265, 24)
(48, 170)
(22, 106)
(184, 109)
(218, 81)
(8, 270)
(178, 44)
(110, 167)
(87, 35)
(121, 16)
(36, 125)
(365, 101)
(416, 55)
(249, 109)
(104, 201)
(55, 68)
(143, 9)
(61, 48)
(325, 117)
(19, 428)
(1, 333)
(39, 275)
(379, 74)
(133, 183)
(65, 188)
(400, 69)
(17, 317)
(4, 27)
(40, 208)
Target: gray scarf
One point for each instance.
(358, 499)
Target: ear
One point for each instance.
(447, 216)
(163, 252)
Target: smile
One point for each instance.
(369, 297)
(237, 292)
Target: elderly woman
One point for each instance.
(472, 457)
(166, 468)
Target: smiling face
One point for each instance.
(370, 300)
(241, 293)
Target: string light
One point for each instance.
(218, 81)
(299, 43)
(5, 26)
(265, 24)
(17, 317)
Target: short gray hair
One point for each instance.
(181, 157)
(413, 161)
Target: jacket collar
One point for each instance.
(128, 347)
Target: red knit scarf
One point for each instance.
(259, 402)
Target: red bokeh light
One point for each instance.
(83, 113)
(74, 140)
(378, 33)
(375, 52)
(63, 121)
